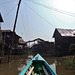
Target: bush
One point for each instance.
(70, 63)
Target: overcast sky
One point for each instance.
(38, 18)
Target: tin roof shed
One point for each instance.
(65, 32)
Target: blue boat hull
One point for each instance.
(38, 58)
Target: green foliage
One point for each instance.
(72, 47)
(70, 63)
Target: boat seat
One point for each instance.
(30, 71)
(45, 71)
(26, 72)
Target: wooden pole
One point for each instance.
(16, 15)
(14, 28)
(16, 21)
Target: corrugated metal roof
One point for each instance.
(6, 30)
(67, 32)
(10, 31)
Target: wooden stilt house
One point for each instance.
(1, 42)
(63, 40)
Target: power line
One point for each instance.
(26, 12)
(10, 11)
(54, 9)
(4, 3)
(23, 24)
(41, 17)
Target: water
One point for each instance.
(18, 62)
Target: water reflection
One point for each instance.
(30, 56)
(22, 66)
(53, 66)
(18, 63)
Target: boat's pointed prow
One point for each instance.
(38, 57)
(36, 65)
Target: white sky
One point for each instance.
(35, 21)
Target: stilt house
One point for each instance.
(64, 38)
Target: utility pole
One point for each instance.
(15, 22)
(16, 15)
(14, 29)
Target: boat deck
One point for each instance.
(38, 68)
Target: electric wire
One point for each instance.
(41, 16)
(23, 24)
(10, 11)
(7, 2)
(26, 12)
(54, 9)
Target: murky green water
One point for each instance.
(18, 62)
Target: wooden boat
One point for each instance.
(37, 66)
